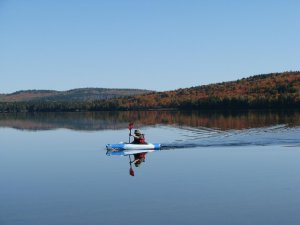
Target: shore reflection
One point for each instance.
(93, 121)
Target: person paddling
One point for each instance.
(139, 138)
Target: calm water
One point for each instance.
(214, 168)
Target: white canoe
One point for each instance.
(129, 146)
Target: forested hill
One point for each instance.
(275, 90)
(80, 94)
(260, 91)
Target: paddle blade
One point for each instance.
(131, 172)
(130, 126)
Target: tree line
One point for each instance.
(278, 90)
(239, 102)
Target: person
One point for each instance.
(138, 137)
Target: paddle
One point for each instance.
(131, 172)
(130, 128)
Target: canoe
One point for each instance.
(129, 146)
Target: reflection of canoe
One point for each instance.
(128, 152)
(128, 146)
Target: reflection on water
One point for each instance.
(136, 157)
(209, 138)
(119, 120)
(274, 135)
(214, 168)
(198, 129)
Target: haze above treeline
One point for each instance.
(274, 90)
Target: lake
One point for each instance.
(216, 168)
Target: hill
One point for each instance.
(274, 90)
(260, 91)
(80, 94)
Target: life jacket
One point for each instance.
(142, 139)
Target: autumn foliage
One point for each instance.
(261, 91)
(275, 90)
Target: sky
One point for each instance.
(156, 45)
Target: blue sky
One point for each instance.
(157, 45)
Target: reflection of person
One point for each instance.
(139, 158)
(139, 138)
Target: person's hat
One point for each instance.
(137, 132)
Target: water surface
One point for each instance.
(214, 168)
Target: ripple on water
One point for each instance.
(207, 137)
